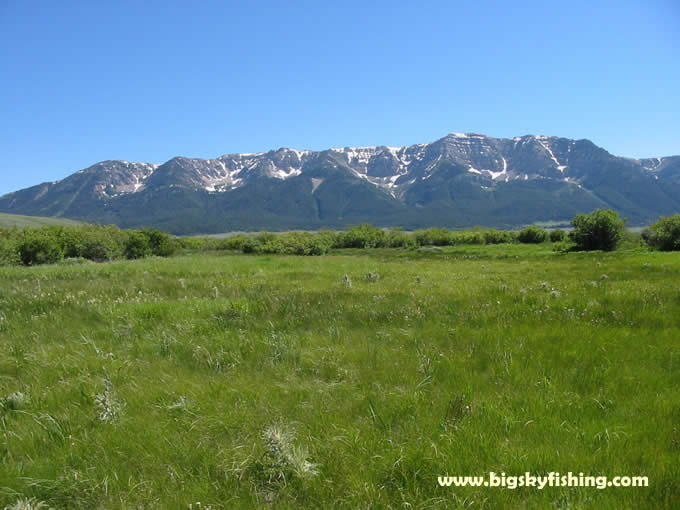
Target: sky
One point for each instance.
(82, 82)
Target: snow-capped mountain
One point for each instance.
(459, 180)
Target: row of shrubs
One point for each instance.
(600, 230)
(362, 236)
(49, 245)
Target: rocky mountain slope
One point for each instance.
(460, 180)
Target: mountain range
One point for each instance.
(460, 180)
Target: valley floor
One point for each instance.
(275, 382)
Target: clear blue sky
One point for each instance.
(82, 82)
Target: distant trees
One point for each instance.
(557, 235)
(602, 229)
(137, 246)
(48, 245)
(39, 246)
(9, 252)
(532, 235)
(599, 230)
(664, 234)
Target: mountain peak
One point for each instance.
(460, 179)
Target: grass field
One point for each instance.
(17, 220)
(273, 382)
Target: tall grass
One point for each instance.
(275, 381)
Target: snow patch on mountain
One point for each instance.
(544, 141)
(502, 173)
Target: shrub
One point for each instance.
(248, 245)
(71, 240)
(161, 244)
(664, 234)
(329, 237)
(434, 237)
(303, 243)
(9, 253)
(39, 246)
(137, 245)
(363, 236)
(234, 242)
(602, 229)
(195, 243)
(400, 239)
(532, 235)
(557, 235)
(99, 245)
(467, 237)
(493, 236)
(265, 237)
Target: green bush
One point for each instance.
(162, 245)
(664, 234)
(434, 237)
(532, 235)
(137, 245)
(39, 246)
(72, 240)
(92, 242)
(195, 243)
(303, 243)
(493, 236)
(9, 252)
(328, 237)
(100, 245)
(265, 237)
(363, 236)
(602, 229)
(467, 237)
(557, 235)
(234, 242)
(400, 239)
(248, 245)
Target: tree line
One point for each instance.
(599, 230)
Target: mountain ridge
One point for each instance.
(459, 180)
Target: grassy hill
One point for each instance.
(17, 220)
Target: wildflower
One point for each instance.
(347, 281)
(180, 404)
(372, 277)
(28, 504)
(109, 408)
(285, 458)
(13, 400)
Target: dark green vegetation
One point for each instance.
(454, 182)
(346, 381)
(48, 245)
(599, 230)
(664, 234)
(532, 235)
(557, 235)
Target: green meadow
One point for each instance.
(19, 221)
(351, 380)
